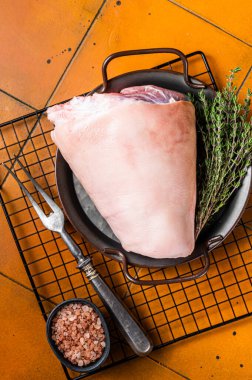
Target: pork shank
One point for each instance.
(135, 155)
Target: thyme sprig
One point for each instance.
(224, 148)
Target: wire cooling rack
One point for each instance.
(168, 312)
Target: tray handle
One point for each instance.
(148, 51)
(208, 246)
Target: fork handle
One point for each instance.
(128, 325)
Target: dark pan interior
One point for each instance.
(64, 177)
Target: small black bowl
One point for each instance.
(92, 366)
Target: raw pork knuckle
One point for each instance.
(135, 155)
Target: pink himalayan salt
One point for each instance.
(78, 334)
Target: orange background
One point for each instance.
(53, 50)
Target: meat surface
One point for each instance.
(135, 155)
(152, 94)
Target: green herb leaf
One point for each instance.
(224, 148)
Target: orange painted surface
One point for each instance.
(32, 35)
(229, 17)
(165, 25)
(76, 36)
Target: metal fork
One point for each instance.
(130, 328)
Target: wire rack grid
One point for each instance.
(168, 312)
